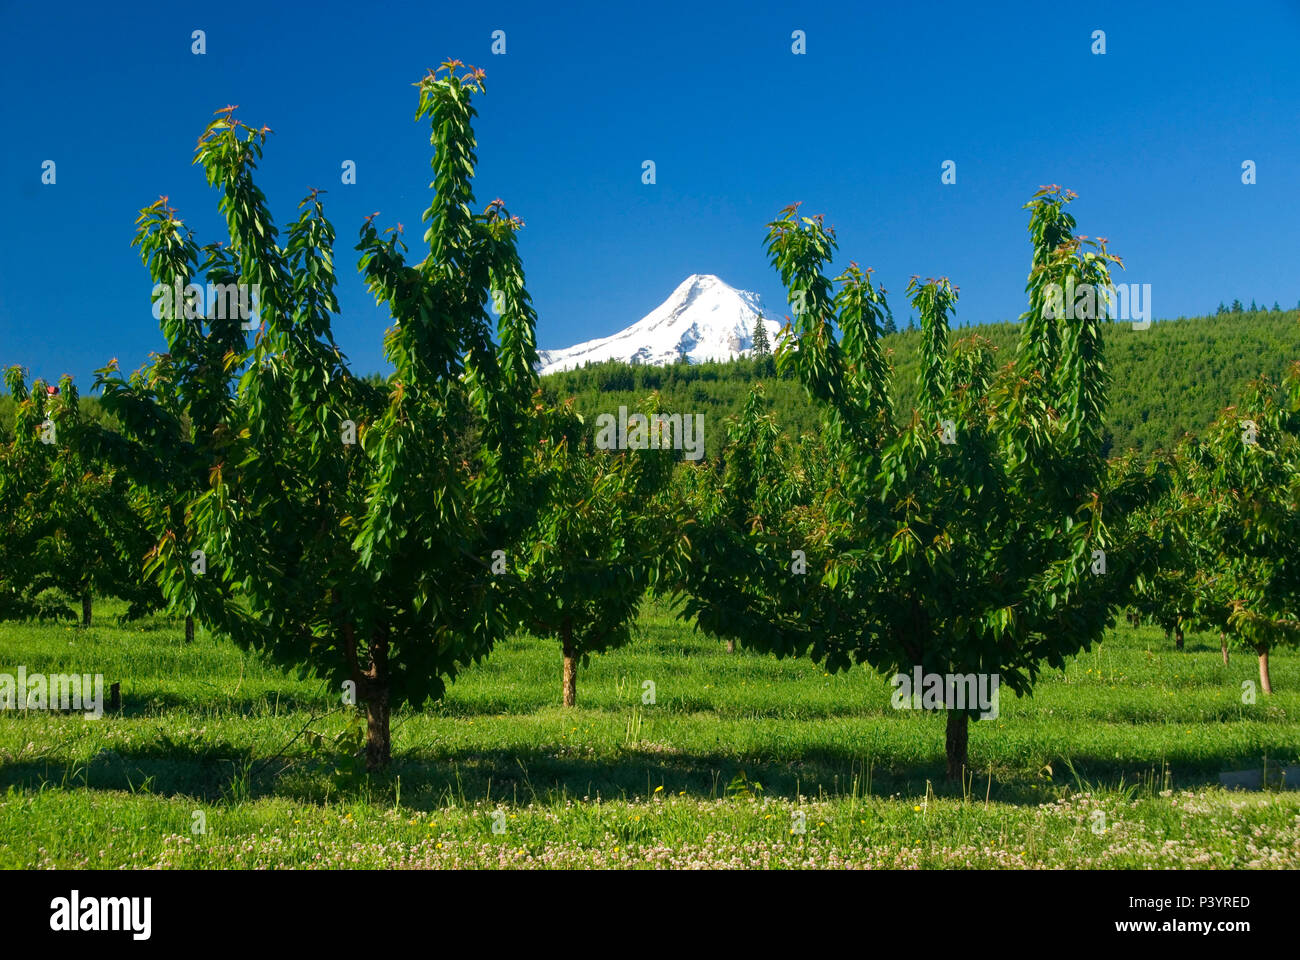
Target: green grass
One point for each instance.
(735, 752)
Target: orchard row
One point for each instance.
(987, 533)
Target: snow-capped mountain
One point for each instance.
(704, 319)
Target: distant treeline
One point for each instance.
(1167, 380)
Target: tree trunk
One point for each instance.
(1178, 634)
(86, 604)
(374, 687)
(956, 744)
(1223, 647)
(1264, 683)
(379, 744)
(570, 668)
(189, 629)
(731, 646)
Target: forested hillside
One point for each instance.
(89, 406)
(1166, 380)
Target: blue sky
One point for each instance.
(1151, 135)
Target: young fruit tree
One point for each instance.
(1242, 510)
(70, 523)
(1163, 593)
(602, 540)
(972, 542)
(344, 529)
(745, 508)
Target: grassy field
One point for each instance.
(741, 761)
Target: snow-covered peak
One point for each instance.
(703, 319)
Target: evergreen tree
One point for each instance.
(1222, 309)
(889, 326)
(762, 345)
(1253, 308)
(1236, 306)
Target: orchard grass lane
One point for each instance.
(709, 775)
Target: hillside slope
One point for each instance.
(1167, 380)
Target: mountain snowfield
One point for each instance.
(704, 319)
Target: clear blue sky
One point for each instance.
(1151, 135)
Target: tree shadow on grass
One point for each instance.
(428, 778)
(676, 706)
(208, 774)
(260, 705)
